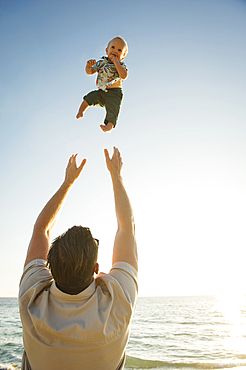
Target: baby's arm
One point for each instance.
(121, 70)
(88, 68)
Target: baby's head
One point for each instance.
(117, 47)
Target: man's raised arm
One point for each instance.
(40, 241)
(125, 246)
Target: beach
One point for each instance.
(194, 332)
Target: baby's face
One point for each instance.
(116, 48)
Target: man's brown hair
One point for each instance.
(72, 259)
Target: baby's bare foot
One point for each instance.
(80, 115)
(108, 127)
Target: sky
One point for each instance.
(181, 133)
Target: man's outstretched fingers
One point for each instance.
(82, 164)
(106, 153)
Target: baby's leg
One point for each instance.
(112, 104)
(108, 127)
(82, 108)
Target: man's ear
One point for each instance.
(106, 51)
(96, 269)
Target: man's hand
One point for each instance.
(114, 164)
(125, 246)
(72, 171)
(39, 244)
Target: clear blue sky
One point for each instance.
(181, 132)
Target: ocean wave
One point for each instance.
(9, 367)
(134, 363)
(140, 364)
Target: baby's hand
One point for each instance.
(114, 59)
(89, 67)
(90, 63)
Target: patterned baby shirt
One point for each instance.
(107, 73)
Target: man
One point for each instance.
(71, 320)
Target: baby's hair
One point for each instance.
(120, 38)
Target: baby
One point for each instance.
(111, 72)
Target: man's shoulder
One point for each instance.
(125, 267)
(122, 280)
(118, 269)
(36, 276)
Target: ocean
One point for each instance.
(200, 332)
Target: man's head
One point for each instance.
(72, 259)
(117, 47)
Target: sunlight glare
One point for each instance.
(233, 307)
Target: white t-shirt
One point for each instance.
(89, 330)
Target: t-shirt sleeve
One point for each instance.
(124, 65)
(98, 65)
(35, 275)
(127, 277)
